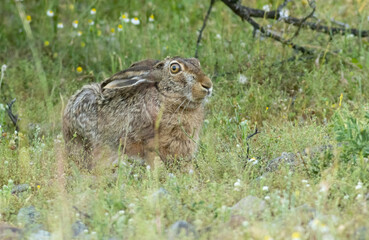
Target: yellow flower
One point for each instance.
(91, 22)
(50, 13)
(28, 18)
(135, 21)
(296, 235)
(341, 97)
(120, 27)
(267, 108)
(98, 33)
(71, 7)
(304, 2)
(38, 186)
(83, 44)
(124, 18)
(79, 33)
(55, 55)
(79, 69)
(112, 30)
(46, 43)
(93, 11)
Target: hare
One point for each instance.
(152, 110)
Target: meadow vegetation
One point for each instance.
(52, 48)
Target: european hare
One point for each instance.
(152, 109)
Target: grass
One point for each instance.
(295, 105)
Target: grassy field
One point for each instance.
(309, 103)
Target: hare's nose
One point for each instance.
(207, 85)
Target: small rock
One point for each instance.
(20, 188)
(78, 228)
(28, 216)
(285, 158)
(181, 229)
(9, 232)
(249, 206)
(361, 234)
(159, 194)
(40, 235)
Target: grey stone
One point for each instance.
(28, 216)
(20, 188)
(249, 207)
(182, 229)
(361, 233)
(159, 193)
(40, 235)
(78, 228)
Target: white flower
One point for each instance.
(60, 25)
(50, 13)
(218, 36)
(266, 8)
(79, 33)
(135, 21)
(267, 197)
(6, 162)
(3, 68)
(131, 205)
(91, 22)
(75, 23)
(253, 161)
(151, 18)
(124, 18)
(307, 185)
(346, 197)
(238, 145)
(359, 185)
(359, 196)
(237, 183)
(148, 167)
(93, 11)
(171, 175)
(121, 212)
(120, 27)
(242, 79)
(191, 171)
(284, 13)
(265, 188)
(304, 181)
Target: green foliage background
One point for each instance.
(295, 105)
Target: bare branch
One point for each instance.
(203, 27)
(13, 117)
(247, 12)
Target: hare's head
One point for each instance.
(180, 80)
(183, 78)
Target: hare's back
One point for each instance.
(80, 116)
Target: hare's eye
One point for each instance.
(175, 68)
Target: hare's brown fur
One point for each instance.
(147, 110)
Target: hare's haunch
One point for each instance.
(153, 108)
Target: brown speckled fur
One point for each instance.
(146, 110)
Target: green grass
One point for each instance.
(294, 104)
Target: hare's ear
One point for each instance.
(124, 83)
(159, 65)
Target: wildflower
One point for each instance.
(6, 162)
(148, 167)
(71, 7)
(79, 33)
(284, 13)
(346, 197)
(50, 13)
(120, 27)
(237, 183)
(265, 188)
(98, 33)
(124, 18)
(75, 23)
(38, 186)
(341, 97)
(171, 175)
(135, 21)
(243, 123)
(190, 171)
(151, 18)
(359, 196)
(296, 236)
(266, 8)
(304, 181)
(304, 2)
(46, 43)
(267, 237)
(218, 36)
(79, 69)
(28, 18)
(3, 68)
(267, 108)
(60, 25)
(238, 145)
(359, 185)
(121, 212)
(267, 197)
(242, 79)
(93, 11)
(307, 185)
(90, 22)
(112, 31)
(253, 161)
(83, 44)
